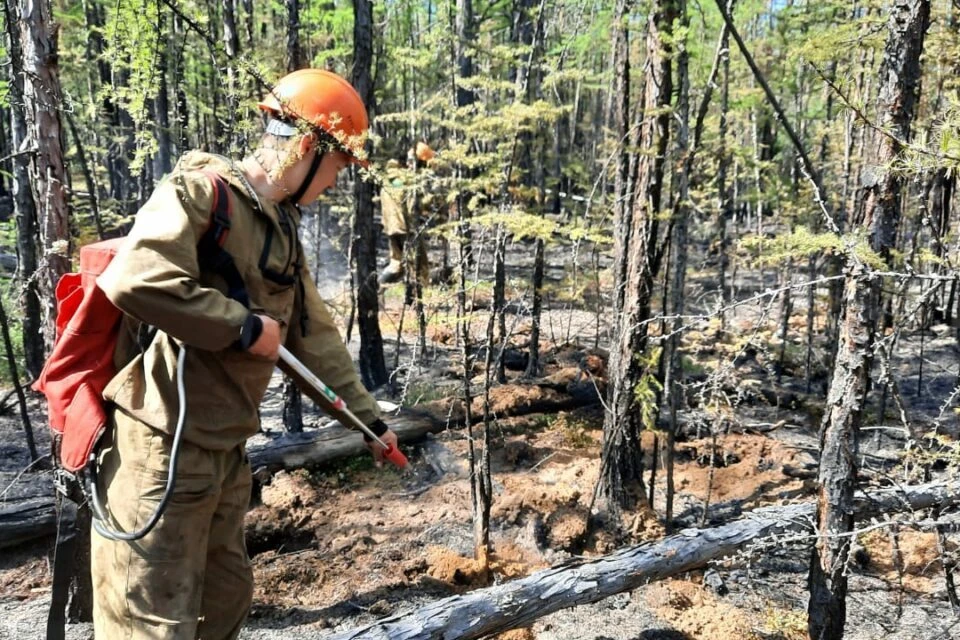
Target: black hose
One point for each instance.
(101, 516)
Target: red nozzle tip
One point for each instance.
(395, 456)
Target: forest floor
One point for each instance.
(347, 544)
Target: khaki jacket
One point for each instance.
(155, 279)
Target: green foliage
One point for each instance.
(422, 392)
(519, 224)
(833, 39)
(800, 243)
(579, 230)
(575, 430)
(133, 47)
(332, 32)
(647, 392)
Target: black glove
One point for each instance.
(379, 428)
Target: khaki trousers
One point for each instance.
(190, 577)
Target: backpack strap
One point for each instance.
(63, 558)
(210, 252)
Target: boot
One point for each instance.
(394, 271)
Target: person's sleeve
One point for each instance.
(155, 276)
(320, 348)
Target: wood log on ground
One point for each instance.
(27, 508)
(312, 448)
(520, 602)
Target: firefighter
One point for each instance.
(190, 577)
(402, 208)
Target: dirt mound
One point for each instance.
(694, 611)
(746, 467)
(918, 557)
(524, 494)
(507, 561)
(511, 399)
(286, 515)
(448, 566)
(289, 491)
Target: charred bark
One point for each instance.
(878, 213)
(636, 263)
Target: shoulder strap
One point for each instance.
(210, 251)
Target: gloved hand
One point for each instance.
(262, 336)
(384, 433)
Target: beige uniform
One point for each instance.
(402, 220)
(190, 577)
(394, 206)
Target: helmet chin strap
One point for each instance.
(311, 174)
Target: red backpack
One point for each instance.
(81, 363)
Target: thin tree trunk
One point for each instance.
(292, 399)
(294, 50)
(164, 158)
(15, 379)
(878, 213)
(724, 203)
(88, 177)
(854, 136)
(674, 373)
(464, 28)
(373, 367)
(292, 407)
(25, 210)
(248, 22)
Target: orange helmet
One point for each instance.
(423, 152)
(323, 99)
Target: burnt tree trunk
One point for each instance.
(878, 213)
(678, 268)
(231, 45)
(464, 98)
(42, 100)
(636, 264)
(724, 201)
(619, 113)
(163, 162)
(294, 50)
(292, 399)
(373, 367)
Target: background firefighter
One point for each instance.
(404, 206)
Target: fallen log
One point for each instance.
(519, 603)
(27, 508)
(313, 448)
